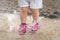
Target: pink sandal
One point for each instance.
(22, 28)
(35, 26)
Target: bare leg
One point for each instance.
(35, 24)
(23, 14)
(23, 18)
(35, 14)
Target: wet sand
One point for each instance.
(49, 30)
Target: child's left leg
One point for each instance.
(35, 15)
(35, 5)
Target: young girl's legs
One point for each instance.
(25, 5)
(23, 18)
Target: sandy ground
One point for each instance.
(49, 30)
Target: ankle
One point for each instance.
(23, 23)
(35, 22)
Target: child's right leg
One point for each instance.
(23, 15)
(23, 18)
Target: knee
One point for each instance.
(24, 9)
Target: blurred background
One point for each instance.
(49, 21)
(50, 7)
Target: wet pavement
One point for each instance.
(49, 30)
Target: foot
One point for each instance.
(35, 26)
(22, 28)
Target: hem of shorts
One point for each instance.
(24, 6)
(36, 7)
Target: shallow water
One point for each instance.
(49, 30)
